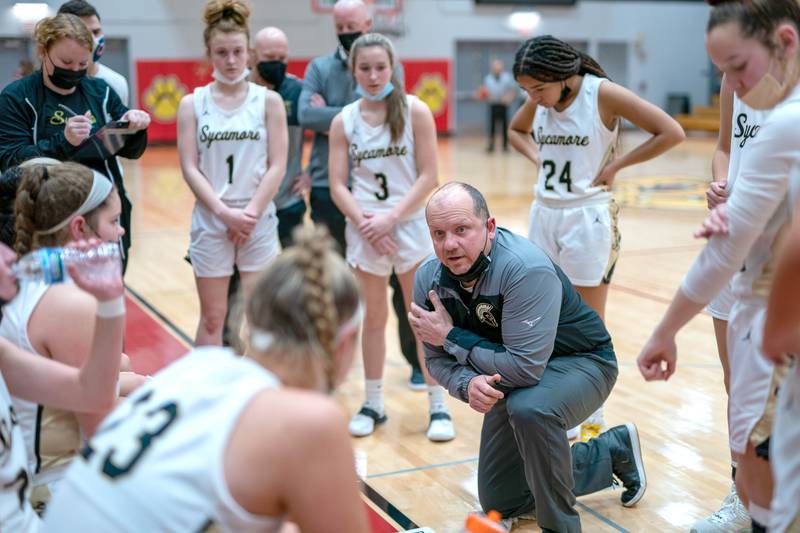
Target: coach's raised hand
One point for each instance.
(431, 326)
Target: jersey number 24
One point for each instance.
(550, 170)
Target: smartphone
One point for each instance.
(115, 125)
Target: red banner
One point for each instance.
(162, 84)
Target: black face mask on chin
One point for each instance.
(478, 267)
(347, 39)
(65, 78)
(272, 72)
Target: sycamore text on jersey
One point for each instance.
(208, 137)
(359, 155)
(560, 140)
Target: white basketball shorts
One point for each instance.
(213, 254)
(584, 241)
(413, 242)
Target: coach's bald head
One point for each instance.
(460, 225)
(351, 16)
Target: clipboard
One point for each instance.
(105, 142)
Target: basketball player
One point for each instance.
(57, 204)
(214, 439)
(389, 140)
(38, 379)
(755, 44)
(739, 125)
(574, 112)
(232, 143)
(781, 336)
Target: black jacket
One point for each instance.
(26, 132)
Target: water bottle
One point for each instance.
(49, 265)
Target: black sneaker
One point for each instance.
(626, 462)
(417, 381)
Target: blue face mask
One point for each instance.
(99, 48)
(386, 91)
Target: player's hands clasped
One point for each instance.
(717, 193)
(482, 394)
(374, 226)
(240, 224)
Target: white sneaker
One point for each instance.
(509, 523)
(574, 433)
(440, 428)
(363, 422)
(732, 517)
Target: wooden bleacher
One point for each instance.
(704, 118)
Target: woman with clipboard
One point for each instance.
(59, 111)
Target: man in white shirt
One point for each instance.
(88, 14)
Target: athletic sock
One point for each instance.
(436, 401)
(374, 400)
(760, 517)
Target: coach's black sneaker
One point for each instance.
(626, 462)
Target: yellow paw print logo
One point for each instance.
(161, 99)
(432, 90)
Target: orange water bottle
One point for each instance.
(478, 523)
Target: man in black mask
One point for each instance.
(328, 86)
(505, 331)
(271, 56)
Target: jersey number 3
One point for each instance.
(550, 169)
(152, 421)
(384, 193)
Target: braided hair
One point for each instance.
(301, 300)
(548, 59)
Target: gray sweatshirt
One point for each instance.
(522, 311)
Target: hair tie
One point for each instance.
(228, 12)
(45, 173)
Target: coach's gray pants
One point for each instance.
(525, 458)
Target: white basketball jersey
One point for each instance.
(574, 144)
(156, 462)
(52, 436)
(746, 124)
(232, 145)
(16, 514)
(382, 171)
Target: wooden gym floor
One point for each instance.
(682, 423)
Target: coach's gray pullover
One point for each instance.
(522, 311)
(331, 78)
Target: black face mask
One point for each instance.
(272, 72)
(347, 39)
(64, 78)
(478, 267)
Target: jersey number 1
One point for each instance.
(229, 160)
(550, 168)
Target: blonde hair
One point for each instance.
(50, 30)
(396, 104)
(301, 300)
(226, 16)
(47, 194)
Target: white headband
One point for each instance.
(101, 188)
(261, 339)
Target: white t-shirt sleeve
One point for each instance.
(760, 188)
